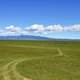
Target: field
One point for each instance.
(39, 60)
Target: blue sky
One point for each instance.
(20, 14)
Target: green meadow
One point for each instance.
(39, 60)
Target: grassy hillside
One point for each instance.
(39, 60)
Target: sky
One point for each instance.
(48, 18)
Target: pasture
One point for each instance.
(39, 60)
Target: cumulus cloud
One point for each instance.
(36, 28)
(75, 28)
(12, 28)
(39, 29)
(55, 28)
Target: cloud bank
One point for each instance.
(38, 29)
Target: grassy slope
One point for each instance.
(49, 66)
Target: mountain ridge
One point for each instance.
(23, 37)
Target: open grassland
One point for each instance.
(39, 60)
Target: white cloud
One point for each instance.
(75, 28)
(38, 29)
(12, 28)
(55, 28)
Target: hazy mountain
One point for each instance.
(23, 37)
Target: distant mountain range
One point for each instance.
(23, 37)
(31, 37)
